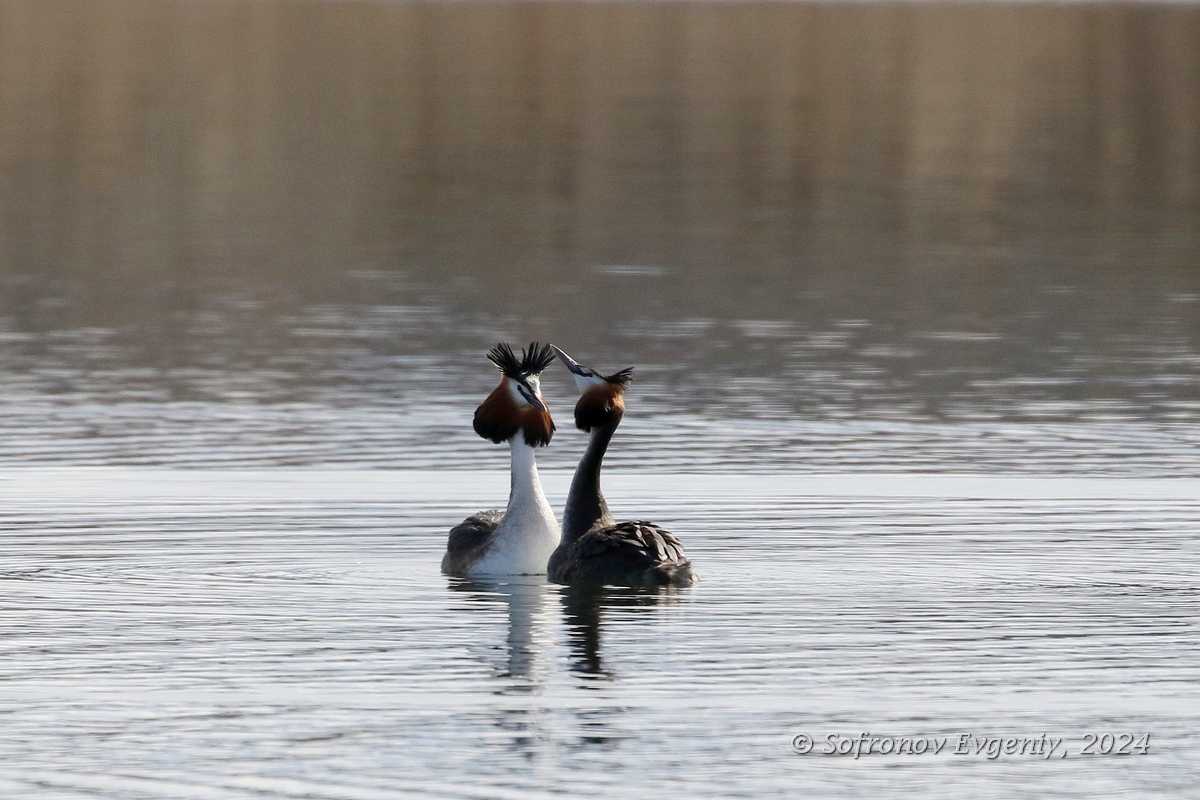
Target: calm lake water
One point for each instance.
(912, 291)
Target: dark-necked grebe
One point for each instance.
(595, 548)
(519, 540)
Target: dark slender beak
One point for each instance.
(568, 361)
(532, 397)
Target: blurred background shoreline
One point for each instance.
(899, 211)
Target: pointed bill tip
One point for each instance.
(569, 362)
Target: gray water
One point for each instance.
(913, 299)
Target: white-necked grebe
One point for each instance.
(520, 539)
(595, 548)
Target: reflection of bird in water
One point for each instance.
(521, 669)
(583, 611)
(595, 548)
(525, 603)
(519, 540)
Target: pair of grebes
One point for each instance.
(525, 538)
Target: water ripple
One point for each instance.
(283, 632)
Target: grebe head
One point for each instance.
(601, 397)
(517, 403)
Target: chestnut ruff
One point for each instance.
(498, 418)
(600, 406)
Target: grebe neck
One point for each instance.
(525, 485)
(528, 534)
(585, 503)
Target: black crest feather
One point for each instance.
(536, 358)
(622, 377)
(532, 360)
(503, 357)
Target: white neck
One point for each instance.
(526, 486)
(529, 532)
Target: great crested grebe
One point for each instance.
(518, 540)
(594, 548)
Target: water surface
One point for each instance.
(285, 633)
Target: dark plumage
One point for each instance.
(633, 553)
(469, 540)
(536, 358)
(532, 361)
(599, 407)
(594, 547)
(499, 417)
(502, 356)
(623, 377)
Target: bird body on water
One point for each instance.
(594, 547)
(519, 539)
